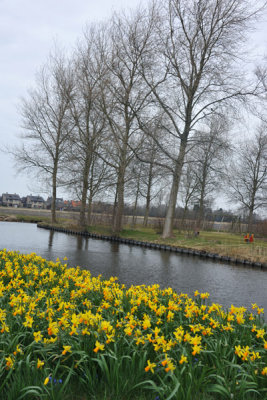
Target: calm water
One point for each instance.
(227, 284)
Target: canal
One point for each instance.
(227, 284)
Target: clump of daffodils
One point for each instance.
(44, 304)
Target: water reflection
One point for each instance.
(227, 284)
(50, 239)
(79, 243)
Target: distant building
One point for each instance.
(34, 202)
(11, 200)
(66, 204)
(76, 205)
(23, 202)
(72, 205)
(59, 203)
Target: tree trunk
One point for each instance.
(90, 208)
(84, 193)
(168, 223)
(114, 207)
(134, 209)
(146, 211)
(250, 220)
(54, 195)
(134, 212)
(148, 194)
(136, 199)
(201, 211)
(184, 214)
(117, 225)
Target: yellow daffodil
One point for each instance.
(37, 336)
(183, 359)
(150, 367)
(39, 364)
(46, 380)
(260, 333)
(254, 355)
(98, 346)
(240, 319)
(67, 349)
(196, 350)
(170, 366)
(9, 362)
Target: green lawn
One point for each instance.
(224, 243)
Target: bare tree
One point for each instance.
(189, 186)
(134, 187)
(154, 177)
(123, 96)
(46, 124)
(89, 121)
(209, 155)
(195, 70)
(101, 178)
(247, 175)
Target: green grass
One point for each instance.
(223, 243)
(143, 234)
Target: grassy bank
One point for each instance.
(30, 217)
(24, 218)
(222, 243)
(68, 336)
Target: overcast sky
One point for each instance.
(28, 29)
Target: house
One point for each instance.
(59, 203)
(34, 202)
(72, 205)
(23, 201)
(76, 205)
(11, 200)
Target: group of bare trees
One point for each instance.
(142, 106)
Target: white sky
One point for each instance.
(28, 29)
